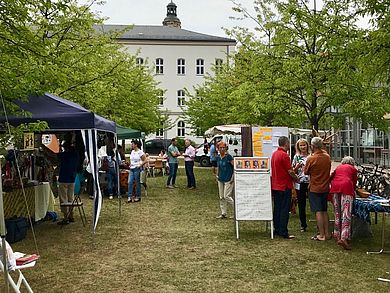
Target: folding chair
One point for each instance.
(159, 166)
(21, 279)
(75, 203)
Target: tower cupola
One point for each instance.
(172, 20)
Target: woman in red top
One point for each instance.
(342, 188)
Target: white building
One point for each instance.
(179, 59)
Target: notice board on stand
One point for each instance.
(252, 190)
(265, 140)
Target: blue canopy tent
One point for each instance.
(64, 115)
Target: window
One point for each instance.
(139, 61)
(218, 65)
(160, 97)
(181, 98)
(181, 129)
(181, 66)
(199, 67)
(160, 131)
(159, 66)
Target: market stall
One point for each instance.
(62, 115)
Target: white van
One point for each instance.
(233, 143)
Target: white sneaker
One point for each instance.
(110, 197)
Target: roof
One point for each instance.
(60, 114)
(161, 33)
(127, 133)
(225, 129)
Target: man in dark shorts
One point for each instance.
(318, 167)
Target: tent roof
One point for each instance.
(126, 133)
(60, 114)
(225, 129)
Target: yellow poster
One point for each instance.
(28, 141)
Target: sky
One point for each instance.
(203, 16)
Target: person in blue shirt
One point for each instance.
(213, 157)
(225, 179)
(111, 174)
(68, 163)
(173, 153)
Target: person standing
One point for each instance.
(213, 157)
(298, 164)
(342, 188)
(173, 153)
(225, 179)
(164, 157)
(189, 157)
(281, 185)
(111, 173)
(137, 159)
(68, 163)
(205, 146)
(318, 167)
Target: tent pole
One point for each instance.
(2, 233)
(118, 187)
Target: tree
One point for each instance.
(297, 66)
(59, 47)
(372, 55)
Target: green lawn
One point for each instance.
(171, 242)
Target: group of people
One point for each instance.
(138, 160)
(189, 157)
(309, 173)
(222, 166)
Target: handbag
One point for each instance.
(16, 229)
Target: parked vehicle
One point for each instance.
(233, 143)
(155, 145)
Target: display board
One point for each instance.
(251, 164)
(253, 196)
(265, 140)
(252, 190)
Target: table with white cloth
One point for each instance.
(38, 201)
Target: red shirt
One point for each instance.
(280, 164)
(343, 180)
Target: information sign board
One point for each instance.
(253, 200)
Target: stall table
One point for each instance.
(152, 164)
(364, 206)
(39, 199)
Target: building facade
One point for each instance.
(179, 60)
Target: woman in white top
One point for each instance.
(298, 164)
(137, 160)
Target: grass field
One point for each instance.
(171, 242)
